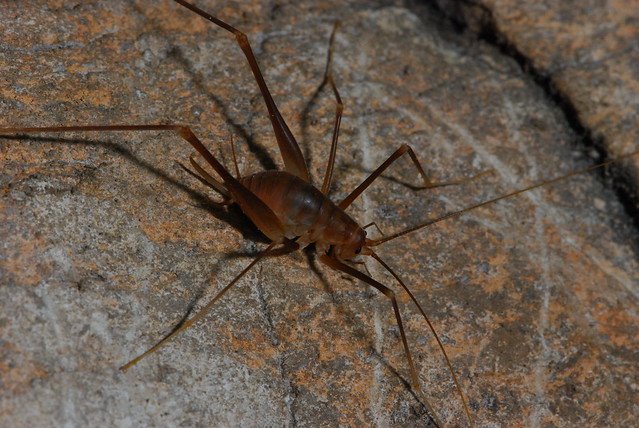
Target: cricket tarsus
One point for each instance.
(290, 211)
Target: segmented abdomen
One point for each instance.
(301, 207)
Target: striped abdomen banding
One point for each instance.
(303, 209)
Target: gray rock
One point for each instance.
(107, 243)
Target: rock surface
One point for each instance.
(107, 243)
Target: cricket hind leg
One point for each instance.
(294, 161)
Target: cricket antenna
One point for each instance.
(455, 214)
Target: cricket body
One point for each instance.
(293, 213)
(290, 211)
(307, 214)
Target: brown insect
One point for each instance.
(267, 198)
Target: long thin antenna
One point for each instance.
(432, 329)
(458, 213)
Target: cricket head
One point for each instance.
(354, 246)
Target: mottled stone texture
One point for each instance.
(107, 243)
(586, 54)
